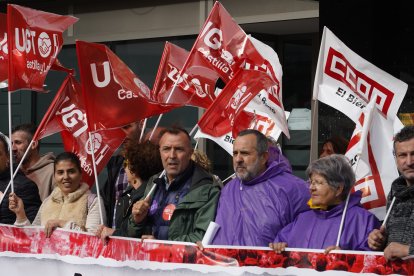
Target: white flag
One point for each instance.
(347, 82)
(269, 103)
(373, 160)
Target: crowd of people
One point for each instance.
(163, 189)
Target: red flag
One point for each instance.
(114, 96)
(34, 41)
(3, 48)
(259, 56)
(105, 143)
(67, 115)
(194, 87)
(220, 117)
(57, 66)
(220, 44)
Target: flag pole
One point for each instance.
(92, 144)
(40, 127)
(167, 101)
(16, 170)
(143, 130)
(154, 186)
(10, 145)
(389, 211)
(229, 177)
(180, 74)
(193, 130)
(196, 145)
(364, 136)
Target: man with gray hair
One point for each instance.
(262, 199)
(397, 236)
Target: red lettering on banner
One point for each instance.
(264, 125)
(376, 191)
(339, 68)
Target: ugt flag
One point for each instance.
(67, 115)
(34, 40)
(194, 87)
(114, 95)
(220, 44)
(3, 48)
(228, 108)
(346, 81)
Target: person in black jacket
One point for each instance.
(23, 187)
(397, 237)
(116, 183)
(142, 160)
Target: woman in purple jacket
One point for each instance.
(331, 179)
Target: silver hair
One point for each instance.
(336, 170)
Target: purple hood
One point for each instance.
(252, 213)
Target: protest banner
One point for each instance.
(69, 252)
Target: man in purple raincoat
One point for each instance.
(262, 199)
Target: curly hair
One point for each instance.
(201, 159)
(144, 159)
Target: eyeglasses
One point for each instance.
(126, 163)
(317, 183)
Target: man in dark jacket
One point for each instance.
(397, 237)
(23, 187)
(184, 200)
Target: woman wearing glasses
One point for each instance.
(331, 179)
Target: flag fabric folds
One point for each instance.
(220, 44)
(371, 98)
(114, 95)
(4, 56)
(194, 87)
(67, 115)
(219, 119)
(372, 159)
(34, 40)
(347, 82)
